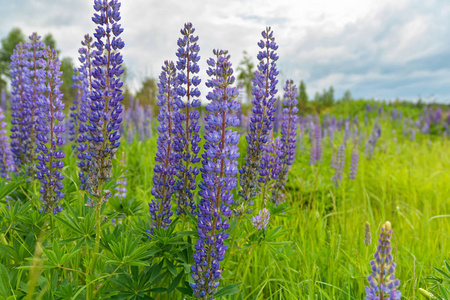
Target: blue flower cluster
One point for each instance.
(286, 154)
(382, 282)
(104, 118)
(166, 158)
(219, 170)
(84, 84)
(261, 122)
(49, 130)
(188, 127)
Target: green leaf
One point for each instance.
(228, 290)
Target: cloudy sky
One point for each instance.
(375, 48)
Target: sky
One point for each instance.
(376, 49)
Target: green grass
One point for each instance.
(319, 253)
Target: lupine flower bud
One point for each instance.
(382, 282)
(219, 170)
(261, 220)
(426, 294)
(261, 122)
(49, 128)
(187, 129)
(367, 234)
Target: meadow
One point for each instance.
(209, 197)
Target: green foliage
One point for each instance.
(8, 44)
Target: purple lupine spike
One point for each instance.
(316, 145)
(37, 63)
(188, 127)
(21, 145)
(277, 121)
(49, 130)
(373, 139)
(105, 115)
(7, 164)
(261, 220)
(382, 282)
(354, 162)
(288, 142)
(367, 234)
(167, 160)
(219, 170)
(264, 90)
(84, 83)
(270, 152)
(339, 164)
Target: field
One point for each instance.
(207, 195)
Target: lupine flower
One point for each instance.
(37, 63)
(382, 282)
(264, 90)
(49, 130)
(219, 170)
(354, 162)
(104, 118)
(85, 78)
(187, 137)
(261, 220)
(340, 164)
(316, 145)
(367, 234)
(6, 159)
(288, 142)
(167, 159)
(20, 132)
(373, 138)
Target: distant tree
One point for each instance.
(147, 95)
(8, 44)
(347, 96)
(66, 87)
(246, 74)
(49, 40)
(302, 95)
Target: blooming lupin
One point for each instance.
(316, 144)
(339, 165)
(261, 122)
(219, 170)
(49, 129)
(261, 220)
(104, 118)
(165, 170)
(288, 142)
(6, 159)
(37, 63)
(367, 234)
(85, 88)
(20, 132)
(354, 161)
(382, 282)
(187, 137)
